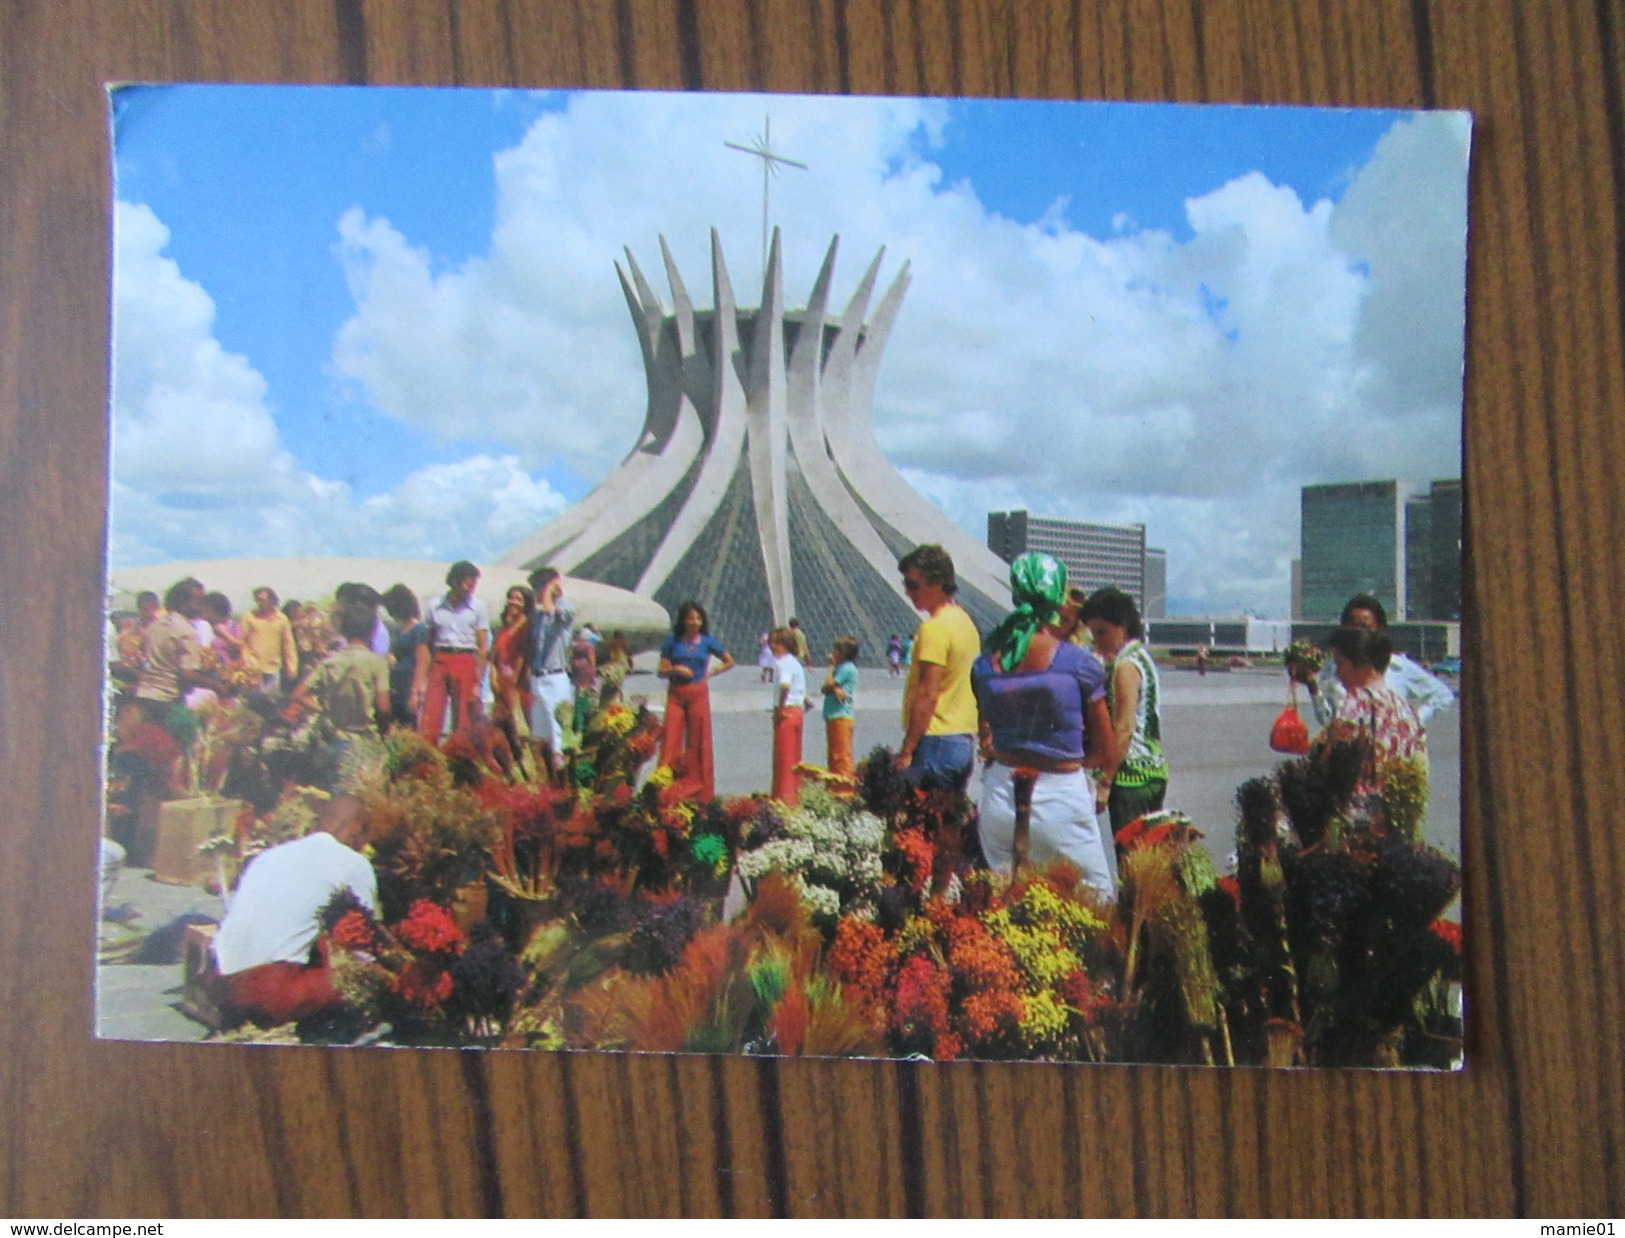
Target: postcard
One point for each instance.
(784, 575)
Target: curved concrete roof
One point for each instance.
(314, 579)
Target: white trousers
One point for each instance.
(547, 693)
(1062, 824)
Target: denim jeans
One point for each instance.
(943, 761)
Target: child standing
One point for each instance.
(840, 696)
(789, 693)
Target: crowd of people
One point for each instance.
(1062, 704)
(369, 662)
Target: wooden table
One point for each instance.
(1536, 1125)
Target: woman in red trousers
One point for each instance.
(685, 663)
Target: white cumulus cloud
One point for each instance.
(1192, 385)
(199, 469)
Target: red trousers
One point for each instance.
(451, 677)
(787, 754)
(277, 993)
(838, 742)
(685, 741)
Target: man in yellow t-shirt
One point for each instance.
(939, 710)
(268, 644)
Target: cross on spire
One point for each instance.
(763, 149)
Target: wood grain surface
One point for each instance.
(1536, 1123)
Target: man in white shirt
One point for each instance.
(550, 686)
(452, 664)
(1420, 690)
(263, 948)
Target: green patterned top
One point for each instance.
(1144, 763)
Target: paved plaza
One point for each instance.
(1216, 734)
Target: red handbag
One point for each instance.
(1289, 734)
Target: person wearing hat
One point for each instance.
(1043, 723)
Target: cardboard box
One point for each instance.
(184, 826)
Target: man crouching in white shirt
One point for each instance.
(270, 970)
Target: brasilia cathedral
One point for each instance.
(757, 487)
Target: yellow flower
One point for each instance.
(1043, 904)
(662, 777)
(1043, 1020)
(1042, 955)
(917, 932)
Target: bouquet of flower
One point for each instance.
(236, 674)
(427, 839)
(229, 733)
(752, 986)
(832, 850)
(1171, 893)
(1340, 946)
(422, 974)
(1305, 654)
(1003, 972)
(313, 633)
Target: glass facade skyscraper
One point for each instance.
(1353, 542)
(1376, 537)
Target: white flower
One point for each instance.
(823, 902)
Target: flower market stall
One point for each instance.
(602, 910)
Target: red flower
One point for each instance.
(1084, 997)
(980, 961)
(1232, 887)
(1157, 834)
(942, 914)
(918, 855)
(920, 1009)
(422, 984)
(1449, 932)
(860, 957)
(354, 932)
(429, 929)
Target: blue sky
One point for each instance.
(401, 294)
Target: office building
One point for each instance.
(1095, 554)
(1378, 537)
(1444, 589)
(1353, 542)
(1418, 557)
(1156, 583)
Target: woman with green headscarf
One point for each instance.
(1043, 723)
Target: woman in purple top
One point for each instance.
(685, 663)
(1043, 723)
